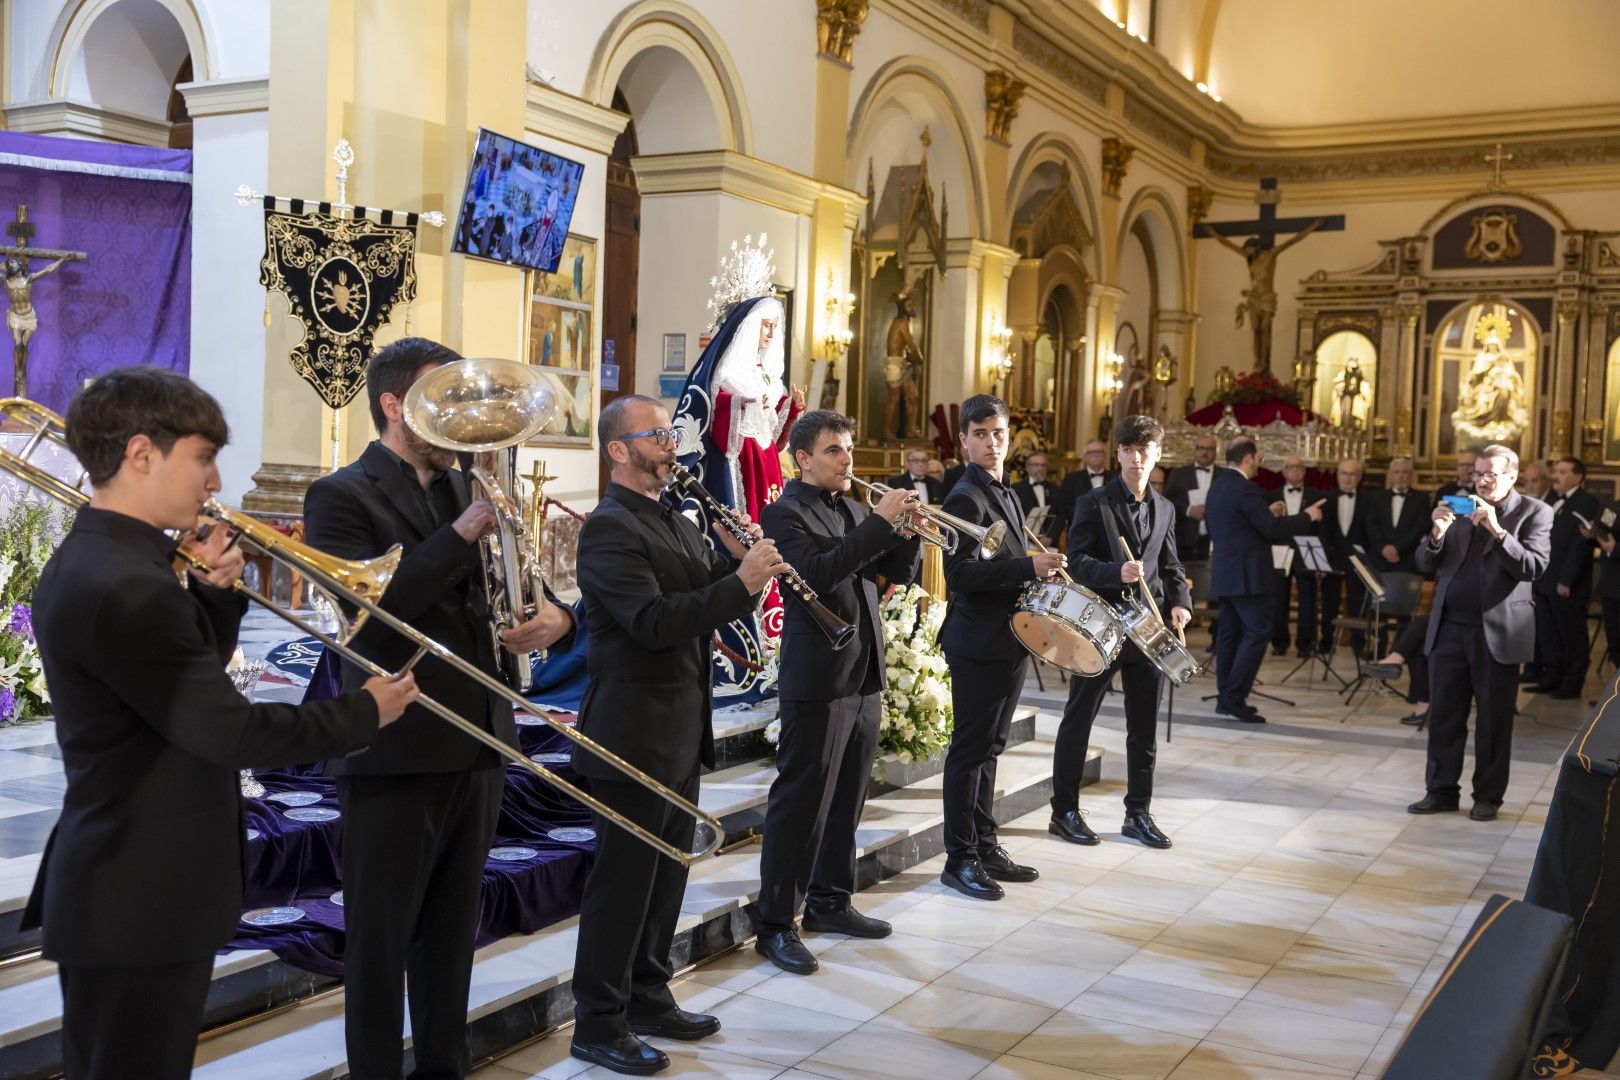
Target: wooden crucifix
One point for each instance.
(21, 318)
(1260, 250)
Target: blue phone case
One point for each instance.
(1461, 505)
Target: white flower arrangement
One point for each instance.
(917, 705)
(29, 532)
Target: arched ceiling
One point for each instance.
(1309, 63)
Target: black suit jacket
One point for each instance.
(983, 591)
(936, 489)
(1405, 532)
(146, 863)
(359, 512)
(1025, 490)
(1569, 561)
(1241, 531)
(652, 608)
(1177, 482)
(843, 570)
(1510, 566)
(1337, 541)
(1095, 562)
(1076, 484)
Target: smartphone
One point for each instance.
(1461, 505)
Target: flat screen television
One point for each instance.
(518, 203)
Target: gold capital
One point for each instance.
(1003, 97)
(838, 22)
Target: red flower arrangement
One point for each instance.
(1253, 387)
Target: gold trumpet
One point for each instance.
(360, 584)
(935, 526)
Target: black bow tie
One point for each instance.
(1295, 491)
(1401, 492)
(1347, 494)
(1202, 468)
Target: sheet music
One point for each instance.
(1197, 496)
(1035, 520)
(1282, 558)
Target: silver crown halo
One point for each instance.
(745, 272)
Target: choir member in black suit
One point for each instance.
(987, 661)
(1564, 592)
(1192, 538)
(1398, 520)
(1608, 590)
(654, 592)
(1481, 628)
(1464, 484)
(1344, 527)
(411, 908)
(141, 880)
(1294, 497)
(1243, 525)
(1124, 508)
(916, 479)
(832, 699)
(1035, 490)
(1092, 473)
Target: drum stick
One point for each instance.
(1046, 551)
(1148, 596)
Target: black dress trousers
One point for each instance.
(1143, 687)
(984, 695)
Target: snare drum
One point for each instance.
(1068, 626)
(1158, 643)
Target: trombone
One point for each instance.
(361, 583)
(937, 527)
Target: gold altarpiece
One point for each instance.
(1496, 321)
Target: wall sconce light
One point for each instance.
(1113, 376)
(840, 310)
(1000, 352)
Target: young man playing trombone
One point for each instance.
(1124, 508)
(420, 807)
(141, 881)
(832, 699)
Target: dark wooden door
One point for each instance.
(621, 267)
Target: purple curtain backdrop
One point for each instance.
(128, 208)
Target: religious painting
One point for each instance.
(1346, 380)
(894, 355)
(561, 340)
(1485, 373)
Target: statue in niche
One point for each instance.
(1138, 380)
(1491, 398)
(1350, 384)
(1259, 303)
(902, 371)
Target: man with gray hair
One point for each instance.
(1344, 525)
(1537, 480)
(1399, 518)
(1482, 628)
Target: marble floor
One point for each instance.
(1293, 930)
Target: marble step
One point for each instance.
(521, 986)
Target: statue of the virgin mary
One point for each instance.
(731, 427)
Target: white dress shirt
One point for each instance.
(1347, 511)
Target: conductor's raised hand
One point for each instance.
(221, 553)
(762, 563)
(393, 694)
(1313, 511)
(476, 520)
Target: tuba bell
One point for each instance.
(489, 407)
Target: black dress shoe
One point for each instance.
(1483, 811)
(999, 865)
(1279, 650)
(1071, 826)
(1141, 827)
(845, 920)
(1433, 804)
(626, 1054)
(1380, 671)
(1417, 719)
(677, 1024)
(784, 949)
(970, 878)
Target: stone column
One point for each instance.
(1560, 441)
(1408, 315)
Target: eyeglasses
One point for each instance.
(1489, 477)
(662, 435)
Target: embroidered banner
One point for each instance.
(342, 277)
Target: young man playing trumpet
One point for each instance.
(141, 881)
(832, 699)
(987, 662)
(1125, 508)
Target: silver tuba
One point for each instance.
(489, 407)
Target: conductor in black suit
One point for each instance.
(832, 699)
(1124, 508)
(1398, 520)
(141, 880)
(1035, 490)
(1482, 627)
(987, 661)
(1564, 592)
(1242, 528)
(654, 593)
(916, 479)
(419, 807)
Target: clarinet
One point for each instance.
(839, 632)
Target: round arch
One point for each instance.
(1156, 212)
(916, 74)
(73, 22)
(675, 26)
(1055, 148)
(1449, 353)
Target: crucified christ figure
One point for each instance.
(21, 318)
(1260, 298)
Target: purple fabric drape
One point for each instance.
(128, 208)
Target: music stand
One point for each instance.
(1373, 600)
(1317, 561)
